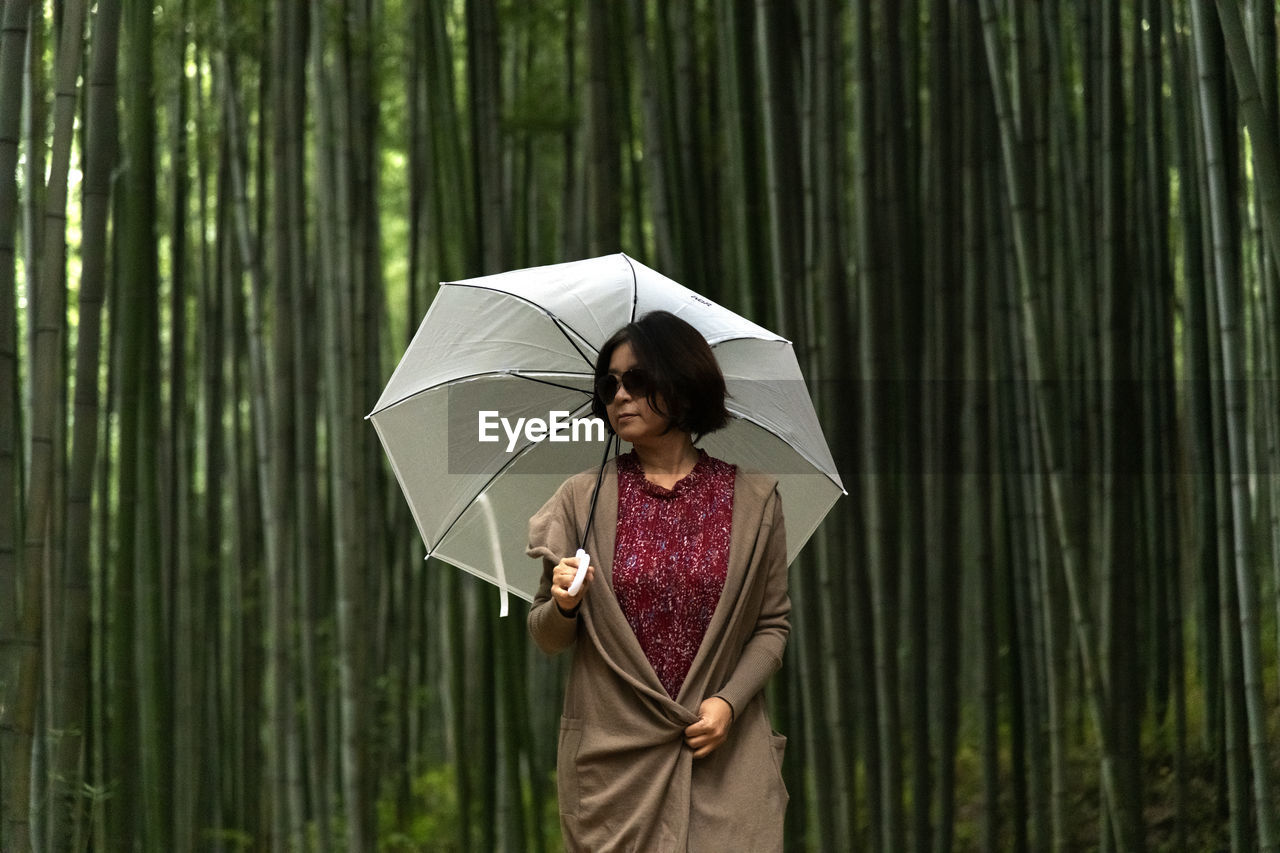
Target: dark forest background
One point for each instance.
(1027, 252)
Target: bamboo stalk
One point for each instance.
(70, 711)
(1232, 371)
(13, 43)
(1125, 832)
(22, 653)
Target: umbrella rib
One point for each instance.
(635, 288)
(564, 327)
(515, 457)
(488, 483)
(778, 340)
(471, 377)
(803, 454)
(549, 382)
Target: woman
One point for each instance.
(664, 739)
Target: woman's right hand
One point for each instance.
(562, 578)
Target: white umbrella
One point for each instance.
(486, 414)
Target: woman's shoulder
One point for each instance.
(750, 477)
(744, 478)
(759, 485)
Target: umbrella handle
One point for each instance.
(584, 560)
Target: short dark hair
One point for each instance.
(685, 373)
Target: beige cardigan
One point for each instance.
(626, 780)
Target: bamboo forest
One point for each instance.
(1027, 253)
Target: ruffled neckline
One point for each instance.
(630, 464)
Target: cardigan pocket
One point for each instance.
(567, 765)
(778, 746)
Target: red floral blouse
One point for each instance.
(671, 558)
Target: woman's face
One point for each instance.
(630, 415)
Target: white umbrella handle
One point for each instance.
(584, 560)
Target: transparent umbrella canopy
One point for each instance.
(489, 410)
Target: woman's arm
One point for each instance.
(762, 654)
(551, 534)
(551, 628)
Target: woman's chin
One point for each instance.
(631, 430)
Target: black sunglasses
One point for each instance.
(636, 380)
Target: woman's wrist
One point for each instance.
(733, 712)
(569, 614)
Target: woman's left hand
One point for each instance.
(714, 718)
